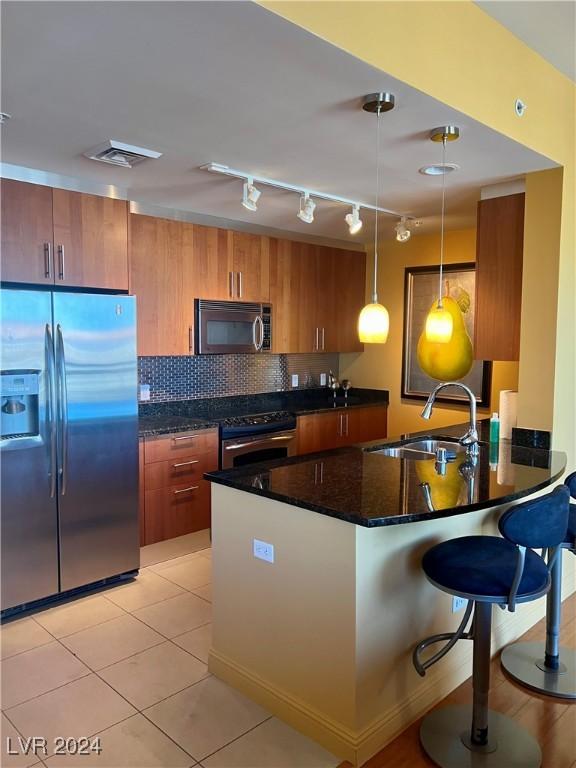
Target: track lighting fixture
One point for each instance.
(250, 195)
(353, 220)
(402, 231)
(307, 207)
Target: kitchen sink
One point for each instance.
(423, 449)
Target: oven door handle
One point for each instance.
(236, 446)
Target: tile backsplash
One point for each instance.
(184, 378)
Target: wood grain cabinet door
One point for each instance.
(251, 266)
(161, 279)
(27, 233)
(91, 240)
(319, 432)
(364, 424)
(292, 295)
(212, 259)
(349, 298)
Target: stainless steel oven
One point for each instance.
(240, 451)
(225, 327)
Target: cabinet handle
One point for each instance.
(185, 490)
(340, 430)
(60, 262)
(185, 437)
(239, 285)
(317, 337)
(186, 463)
(346, 425)
(323, 339)
(191, 339)
(231, 284)
(47, 260)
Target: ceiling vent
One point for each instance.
(118, 153)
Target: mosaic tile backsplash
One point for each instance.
(185, 378)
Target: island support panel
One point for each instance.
(323, 636)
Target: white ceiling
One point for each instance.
(232, 83)
(546, 26)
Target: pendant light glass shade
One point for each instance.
(439, 325)
(374, 320)
(373, 324)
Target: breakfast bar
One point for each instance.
(328, 598)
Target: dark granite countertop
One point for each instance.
(363, 487)
(206, 413)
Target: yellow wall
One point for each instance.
(380, 366)
(458, 54)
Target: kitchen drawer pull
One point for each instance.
(231, 284)
(185, 437)
(185, 490)
(47, 260)
(239, 285)
(185, 463)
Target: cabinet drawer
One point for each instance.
(165, 474)
(184, 444)
(176, 511)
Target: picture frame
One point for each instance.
(420, 290)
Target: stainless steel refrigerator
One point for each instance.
(69, 442)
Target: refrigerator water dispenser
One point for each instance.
(19, 403)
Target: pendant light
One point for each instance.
(439, 323)
(374, 321)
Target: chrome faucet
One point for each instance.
(470, 438)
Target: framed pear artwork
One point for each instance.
(425, 363)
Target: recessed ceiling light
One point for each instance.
(439, 169)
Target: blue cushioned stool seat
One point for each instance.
(571, 533)
(484, 566)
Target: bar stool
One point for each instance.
(548, 669)
(487, 570)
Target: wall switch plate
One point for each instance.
(295, 380)
(263, 550)
(458, 603)
(322, 379)
(144, 392)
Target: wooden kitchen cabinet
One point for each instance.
(316, 294)
(90, 240)
(176, 496)
(499, 258)
(250, 267)
(27, 233)
(161, 277)
(57, 237)
(341, 427)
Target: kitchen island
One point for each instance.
(323, 635)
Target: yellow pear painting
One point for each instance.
(452, 360)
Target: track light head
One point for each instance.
(307, 207)
(353, 220)
(402, 232)
(250, 195)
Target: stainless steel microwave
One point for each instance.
(225, 327)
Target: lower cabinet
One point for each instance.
(176, 498)
(343, 426)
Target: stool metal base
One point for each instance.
(443, 734)
(524, 662)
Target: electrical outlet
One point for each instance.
(458, 603)
(144, 392)
(263, 550)
(322, 379)
(295, 380)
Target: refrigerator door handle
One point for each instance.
(63, 409)
(51, 407)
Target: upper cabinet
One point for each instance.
(499, 256)
(316, 294)
(161, 277)
(91, 240)
(56, 237)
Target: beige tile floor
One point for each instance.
(128, 665)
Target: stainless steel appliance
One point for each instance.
(224, 327)
(68, 443)
(263, 437)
